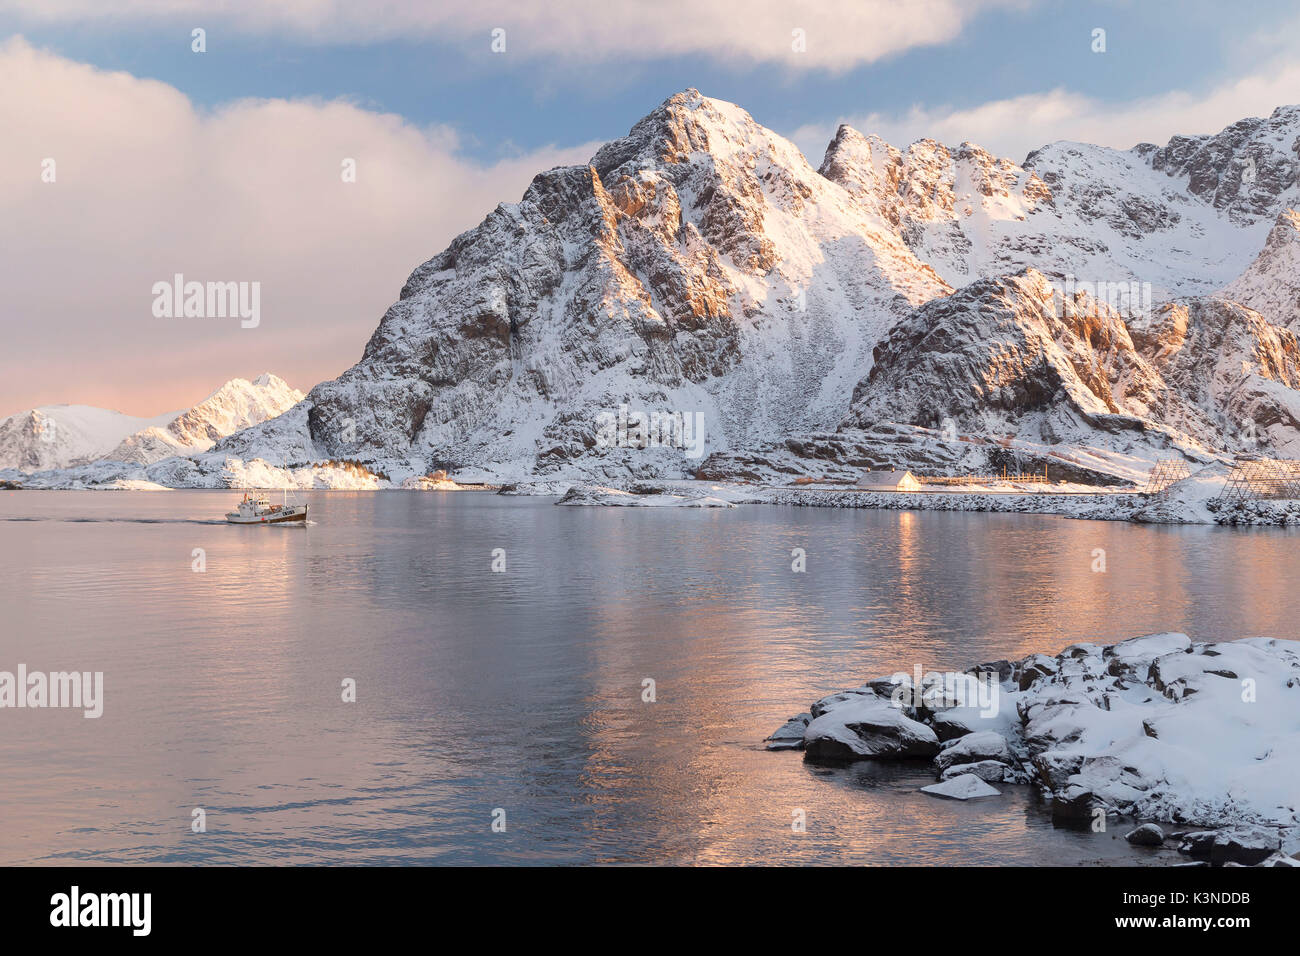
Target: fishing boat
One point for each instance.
(257, 509)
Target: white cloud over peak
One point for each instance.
(147, 185)
(836, 34)
(1013, 127)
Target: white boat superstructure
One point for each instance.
(256, 509)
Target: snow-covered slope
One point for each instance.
(67, 436)
(1271, 284)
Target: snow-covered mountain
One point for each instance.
(60, 436)
(237, 404)
(1099, 305)
(1186, 218)
(64, 436)
(700, 264)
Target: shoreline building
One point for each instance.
(888, 481)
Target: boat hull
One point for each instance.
(284, 516)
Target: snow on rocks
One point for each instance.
(990, 771)
(972, 748)
(1159, 728)
(1148, 834)
(1131, 658)
(789, 736)
(966, 787)
(868, 726)
(1246, 845)
(617, 497)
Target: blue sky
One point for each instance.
(505, 104)
(225, 165)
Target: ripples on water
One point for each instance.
(522, 690)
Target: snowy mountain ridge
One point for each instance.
(65, 436)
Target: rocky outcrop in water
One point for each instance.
(1159, 728)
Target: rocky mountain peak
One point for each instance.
(1247, 170)
(237, 404)
(866, 166)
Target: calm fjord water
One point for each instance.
(522, 690)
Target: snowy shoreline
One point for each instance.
(1190, 502)
(1201, 735)
(1096, 505)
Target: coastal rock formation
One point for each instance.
(1161, 728)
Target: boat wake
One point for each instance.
(81, 520)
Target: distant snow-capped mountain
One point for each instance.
(60, 436)
(237, 404)
(64, 436)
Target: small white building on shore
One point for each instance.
(888, 481)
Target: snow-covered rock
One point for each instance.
(789, 736)
(990, 771)
(1246, 845)
(867, 726)
(967, 786)
(1158, 727)
(973, 748)
(1148, 834)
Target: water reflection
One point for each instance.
(523, 690)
